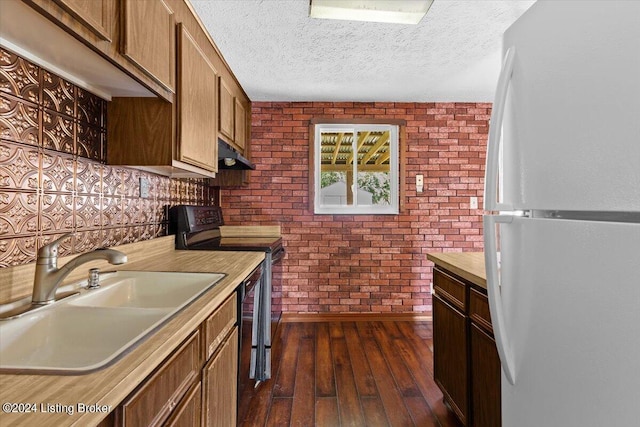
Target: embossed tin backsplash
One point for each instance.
(52, 176)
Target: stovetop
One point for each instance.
(267, 244)
(198, 228)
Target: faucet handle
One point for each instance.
(51, 250)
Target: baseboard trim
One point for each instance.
(355, 317)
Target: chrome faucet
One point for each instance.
(48, 276)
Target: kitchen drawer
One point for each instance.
(154, 401)
(450, 289)
(218, 325)
(479, 310)
(189, 413)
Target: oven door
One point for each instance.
(247, 316)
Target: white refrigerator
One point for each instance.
(562, 223)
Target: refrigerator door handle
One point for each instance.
(494, 295)
(491, 202)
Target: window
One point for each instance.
(356, 169)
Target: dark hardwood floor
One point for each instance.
(351, 374)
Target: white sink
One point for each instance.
(142, 289)
(86, 332)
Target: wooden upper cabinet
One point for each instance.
(240, 125)
(96, 15)
(148, 38)
(197, 79)
(226, 112)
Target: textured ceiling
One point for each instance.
(278, 53)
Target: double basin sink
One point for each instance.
(86, 332)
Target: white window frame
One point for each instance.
(394, 146)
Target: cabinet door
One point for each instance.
(485, 379)
(96, 15)
(450, 348)
(220, 382)
(148, 39)
(189, 413)
(241, 126)
(197, 79)
(226, 113)
(157, 397)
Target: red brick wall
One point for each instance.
(365, 263)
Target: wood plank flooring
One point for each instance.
(362, 373)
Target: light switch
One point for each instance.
(473, 203)
(419, 183)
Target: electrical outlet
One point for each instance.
(144, 188)
(473, 203)
(419, 183)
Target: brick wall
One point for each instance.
(365, 263)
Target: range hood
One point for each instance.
(230, 159)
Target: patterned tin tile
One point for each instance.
(146, 211)
(51, 180)
(57, 94)
(111, 236)
(160, 229)
(161, 211)
(58, 132)
(130, 210)
(174, 195)
(130, 234)
(19, 77)
(19, 166)
(112, 181)
(87, 212)
(131, 182)
(146, 232)
(17, 251)
(56, 213)
(19, 120)
(163, 188)
(88, 177)
(89, 108)
(89, 142)
(111, 212)
(18, 214)
(57, 172)
(88, 240)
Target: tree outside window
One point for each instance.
(368, 153)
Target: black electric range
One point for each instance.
(198, 228)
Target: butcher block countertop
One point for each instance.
(109, 386)
(468, 265)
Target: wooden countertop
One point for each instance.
(111, 385)
(468, 265)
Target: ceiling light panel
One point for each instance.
(389, 11)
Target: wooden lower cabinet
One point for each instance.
(466, 362)
(196, 385)
(189, 413)
(159, 395)
(485, 379)
(450, 356)
(220, 381)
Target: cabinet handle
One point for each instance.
(494, 295)
(491, 202)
